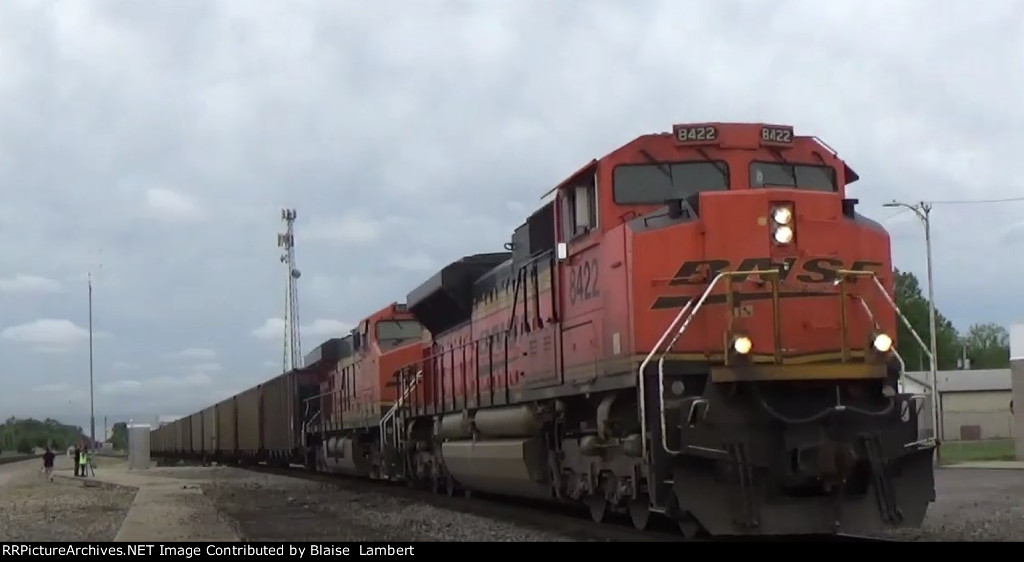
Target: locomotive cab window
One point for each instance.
(792, 176)
(359, 336)
(579, 208)
(654, 184)
(394, 333)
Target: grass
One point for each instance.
(974, 451)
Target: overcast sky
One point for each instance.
(154, 143)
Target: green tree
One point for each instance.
(119, 436)
(915, 307)
(37, 433)
(988, 346)
(24, 446)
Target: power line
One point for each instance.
(976, 201)
(947, 202)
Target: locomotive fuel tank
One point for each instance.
(516, 467)
(505, 457)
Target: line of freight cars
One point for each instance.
(261, 424)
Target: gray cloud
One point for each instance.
(154, 144)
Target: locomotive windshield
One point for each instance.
(391, 333)
(798, 176)
(654, 184)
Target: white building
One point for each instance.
(975, 403)
(1017, 379)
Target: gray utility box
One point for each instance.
(138, 446)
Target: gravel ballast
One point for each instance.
(972, 505)
(277, 508)
(34, 509)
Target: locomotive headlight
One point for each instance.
(782, 215)
(742, 345)
(882, 343)
(783, 234)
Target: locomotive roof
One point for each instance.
(331, 351)
(731, 134)
(462, 272)
(445, 299)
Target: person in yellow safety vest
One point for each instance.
(83, 462)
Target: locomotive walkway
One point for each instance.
(166, 509)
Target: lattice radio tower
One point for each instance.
(292, 354)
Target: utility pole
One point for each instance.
(292, 352)
(923, 211)
(92, 403)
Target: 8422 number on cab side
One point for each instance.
(583, 281)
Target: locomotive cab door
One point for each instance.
(579, 266)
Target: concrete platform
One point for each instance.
(990, 465)
(166, 509)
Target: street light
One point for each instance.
(92, 403)
(923, 211)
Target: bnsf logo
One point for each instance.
(811, 270)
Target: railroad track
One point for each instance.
(561, 520)
(568, 521)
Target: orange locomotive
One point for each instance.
(697, 325)
(357, 392)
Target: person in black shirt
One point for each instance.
(78, 455)
(48, 458)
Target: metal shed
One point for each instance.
(138, 446)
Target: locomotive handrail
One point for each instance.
(931, 359)
(871, 316)
(689, 311)
(700, 303)
(643, 381)
(495, 340)
(307, 423)
(661, 360)
(393, 411)
(881, 288)
(323, 394)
